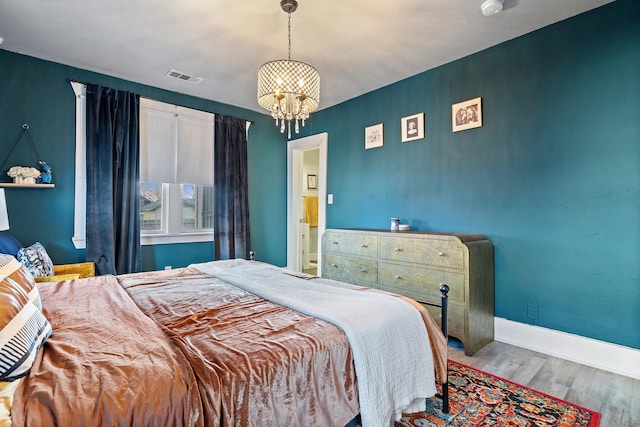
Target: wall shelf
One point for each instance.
(39, 161)
(13, 185)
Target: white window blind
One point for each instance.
(176, 144)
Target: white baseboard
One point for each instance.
(587, 351)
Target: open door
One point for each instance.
(295, 182)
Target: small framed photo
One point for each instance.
(311, 182)
(413, 127)
(373, 136)
(466, 115)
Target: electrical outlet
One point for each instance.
(532, 312)
(167, 267)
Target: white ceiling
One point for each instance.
(356, 45)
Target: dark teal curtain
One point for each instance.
(113, 171)
(231, 232)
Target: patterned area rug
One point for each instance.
(477, 398)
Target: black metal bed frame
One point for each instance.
(444, 319)
(444, 324)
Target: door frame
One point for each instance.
(295, 150)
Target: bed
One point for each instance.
(226, 343)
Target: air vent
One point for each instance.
(184, 77)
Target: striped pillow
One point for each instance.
(15, 270)
(23, 330)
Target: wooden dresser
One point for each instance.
(414, 264)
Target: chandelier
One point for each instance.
(289, 89)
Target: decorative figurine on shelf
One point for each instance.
(24, 174)
(46, 175)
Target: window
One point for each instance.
(195, 213)
(176, 165)
(151, 220)
(176, 173)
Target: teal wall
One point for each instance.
(552, 177)
(38, 92)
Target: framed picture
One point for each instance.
(413, 127)
(311, 182)
(373, 136)
(466, 115)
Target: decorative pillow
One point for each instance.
(14, 270)
(23, 330)
(9, 244)
(36, 259)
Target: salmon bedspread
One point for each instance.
(181, 347)
(106, 364)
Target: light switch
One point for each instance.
(330, 199)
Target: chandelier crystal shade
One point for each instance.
(289, 89)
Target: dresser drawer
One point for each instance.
(438, 252)
(421, 284)
(351, 243)
(361, 272)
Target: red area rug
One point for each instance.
(477, 398)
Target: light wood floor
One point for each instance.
(615, 397)
(313, 268)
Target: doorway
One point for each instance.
(302, 237)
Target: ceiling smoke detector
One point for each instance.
(491, 7)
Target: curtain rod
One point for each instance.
(153, 99)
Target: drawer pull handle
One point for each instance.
(440, 253)
(399, 277)
(335, 242)
(363, 270)
(334, 265)
(398, 249)
(363, 246)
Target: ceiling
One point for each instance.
(356, 45)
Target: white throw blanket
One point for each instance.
(388, 338)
